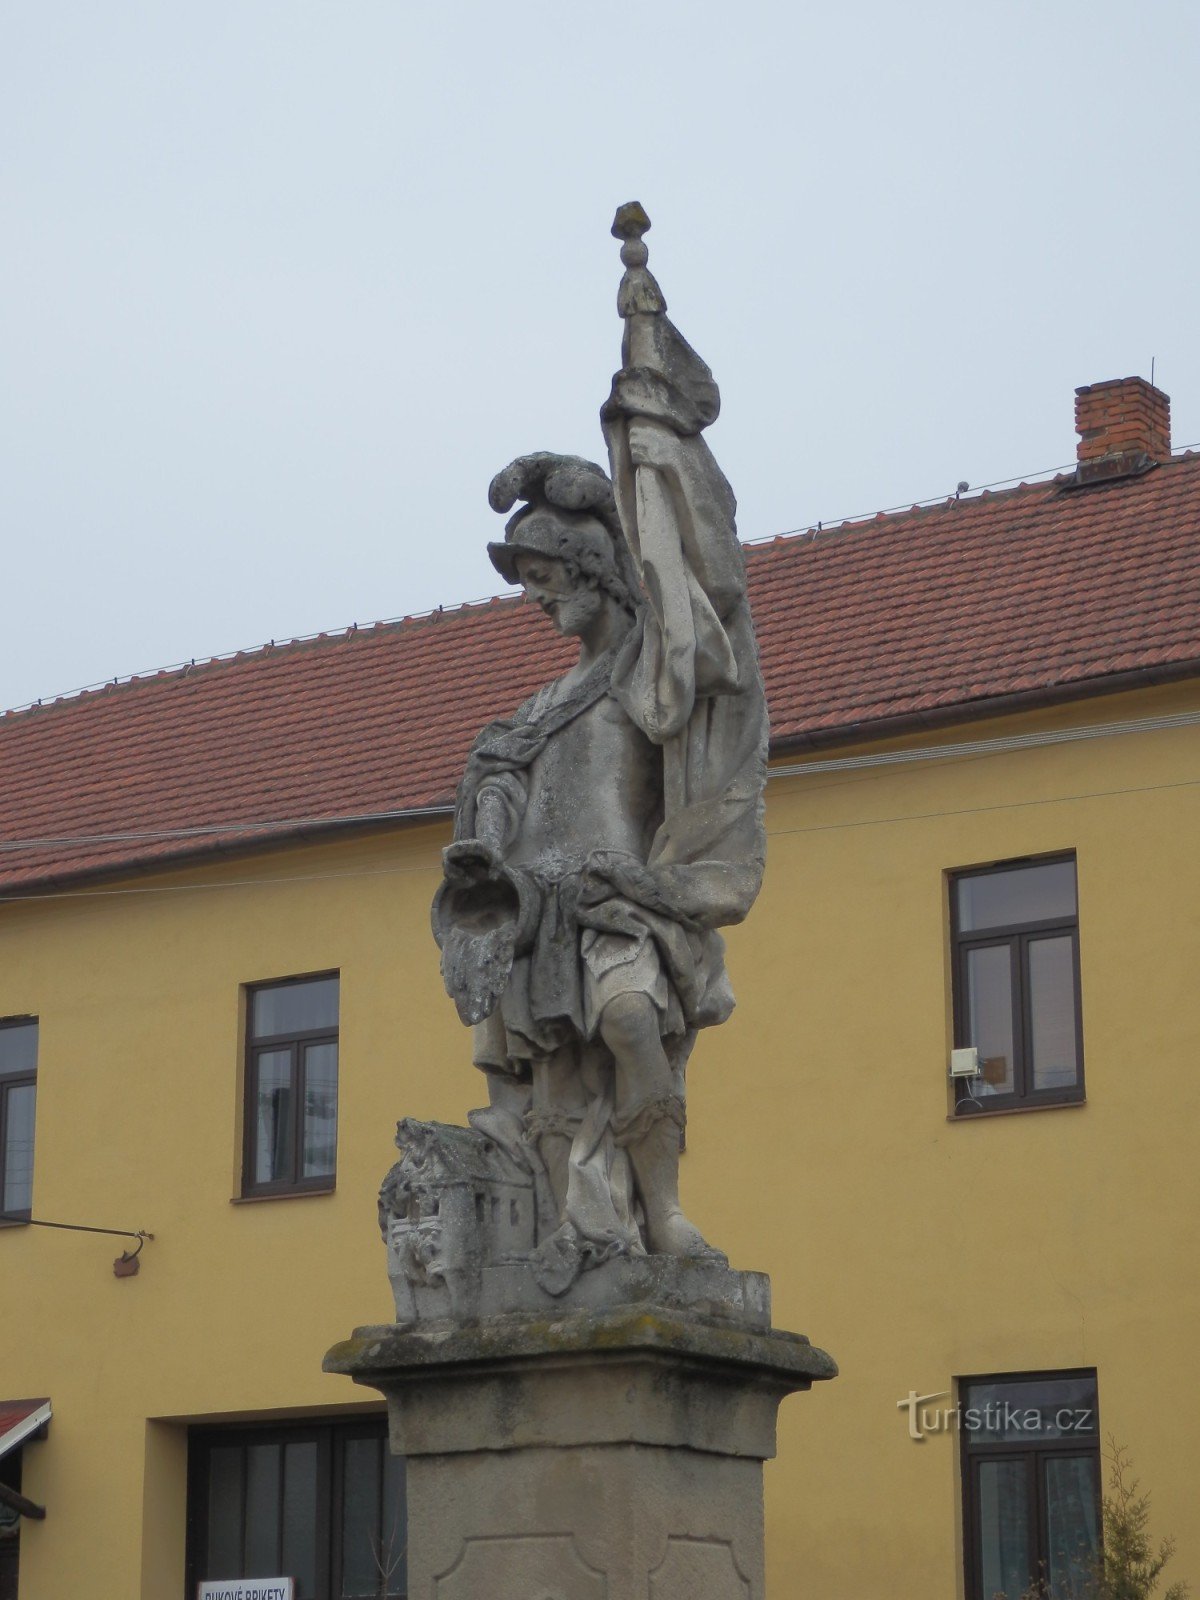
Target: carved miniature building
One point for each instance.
(452, 1205)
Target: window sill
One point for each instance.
(1017, 1111)
(283, 1194)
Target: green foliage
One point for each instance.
(1130, 1565)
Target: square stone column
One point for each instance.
(598, 1455)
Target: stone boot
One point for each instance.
(551, 1135)
(651, 1137)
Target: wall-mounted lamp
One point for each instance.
(127, 1264)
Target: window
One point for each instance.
(291, 1086)
(1031, 1483)
(323, 1504)
(18, 1093)
(1016, 984)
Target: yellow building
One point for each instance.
(982, 823)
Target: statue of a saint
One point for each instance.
(608, 829)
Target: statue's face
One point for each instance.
(569, 602)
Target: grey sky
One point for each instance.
(283, 284)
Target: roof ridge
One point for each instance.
(941, 503)
(227, 658)
(819, 532)
(1002, 489)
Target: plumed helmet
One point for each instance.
(569, 514)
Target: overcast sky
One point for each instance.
(283, 283)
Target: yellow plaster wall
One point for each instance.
(914, 1249)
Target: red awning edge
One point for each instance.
(19, 1419)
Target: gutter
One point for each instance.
(937, 717)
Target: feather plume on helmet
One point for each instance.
(570, 515)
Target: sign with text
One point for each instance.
(247, 1589)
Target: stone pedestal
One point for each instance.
(611, 1452)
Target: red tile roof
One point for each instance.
(935, 614)
(19, 1419)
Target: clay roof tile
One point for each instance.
(947, 608)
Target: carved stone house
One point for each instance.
(454, 1204)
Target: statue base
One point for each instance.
(610, 1452)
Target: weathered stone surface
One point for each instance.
(608, 829)
(616, 1453)
(583, 1389)
(618, 1522)
(456, 1204)
(693, 1567)
(648, 1375)
(523, 1564)
(707, 1288)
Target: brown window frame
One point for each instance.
(296, 1042)
(1033, 1456)
(20, 1080)
(1017, 936)
(330, 1436)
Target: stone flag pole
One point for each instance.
(583, 1388)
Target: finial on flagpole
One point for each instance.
(630, 223)
(639, 291)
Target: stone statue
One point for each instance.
(610, 827)
(584, 1390)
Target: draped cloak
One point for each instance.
(687, 676)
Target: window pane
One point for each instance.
(262, 1511)
(1072, 1536)
(990, 1017)
(320, 1110)
(362, 1460)
(373, 1549)
(273, 1119)
(294, 1007)
(395, 1521)
(1030, 1411)
(18, 1049)
(223, 1558)
(1004, 1528)
(1025, 894)
(300, 1517)
(1052, 1004)
(18, 1148)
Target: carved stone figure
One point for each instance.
(610, 827)
(568, 1352)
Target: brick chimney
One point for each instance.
(1124, 427)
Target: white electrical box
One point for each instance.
(964, 1063)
